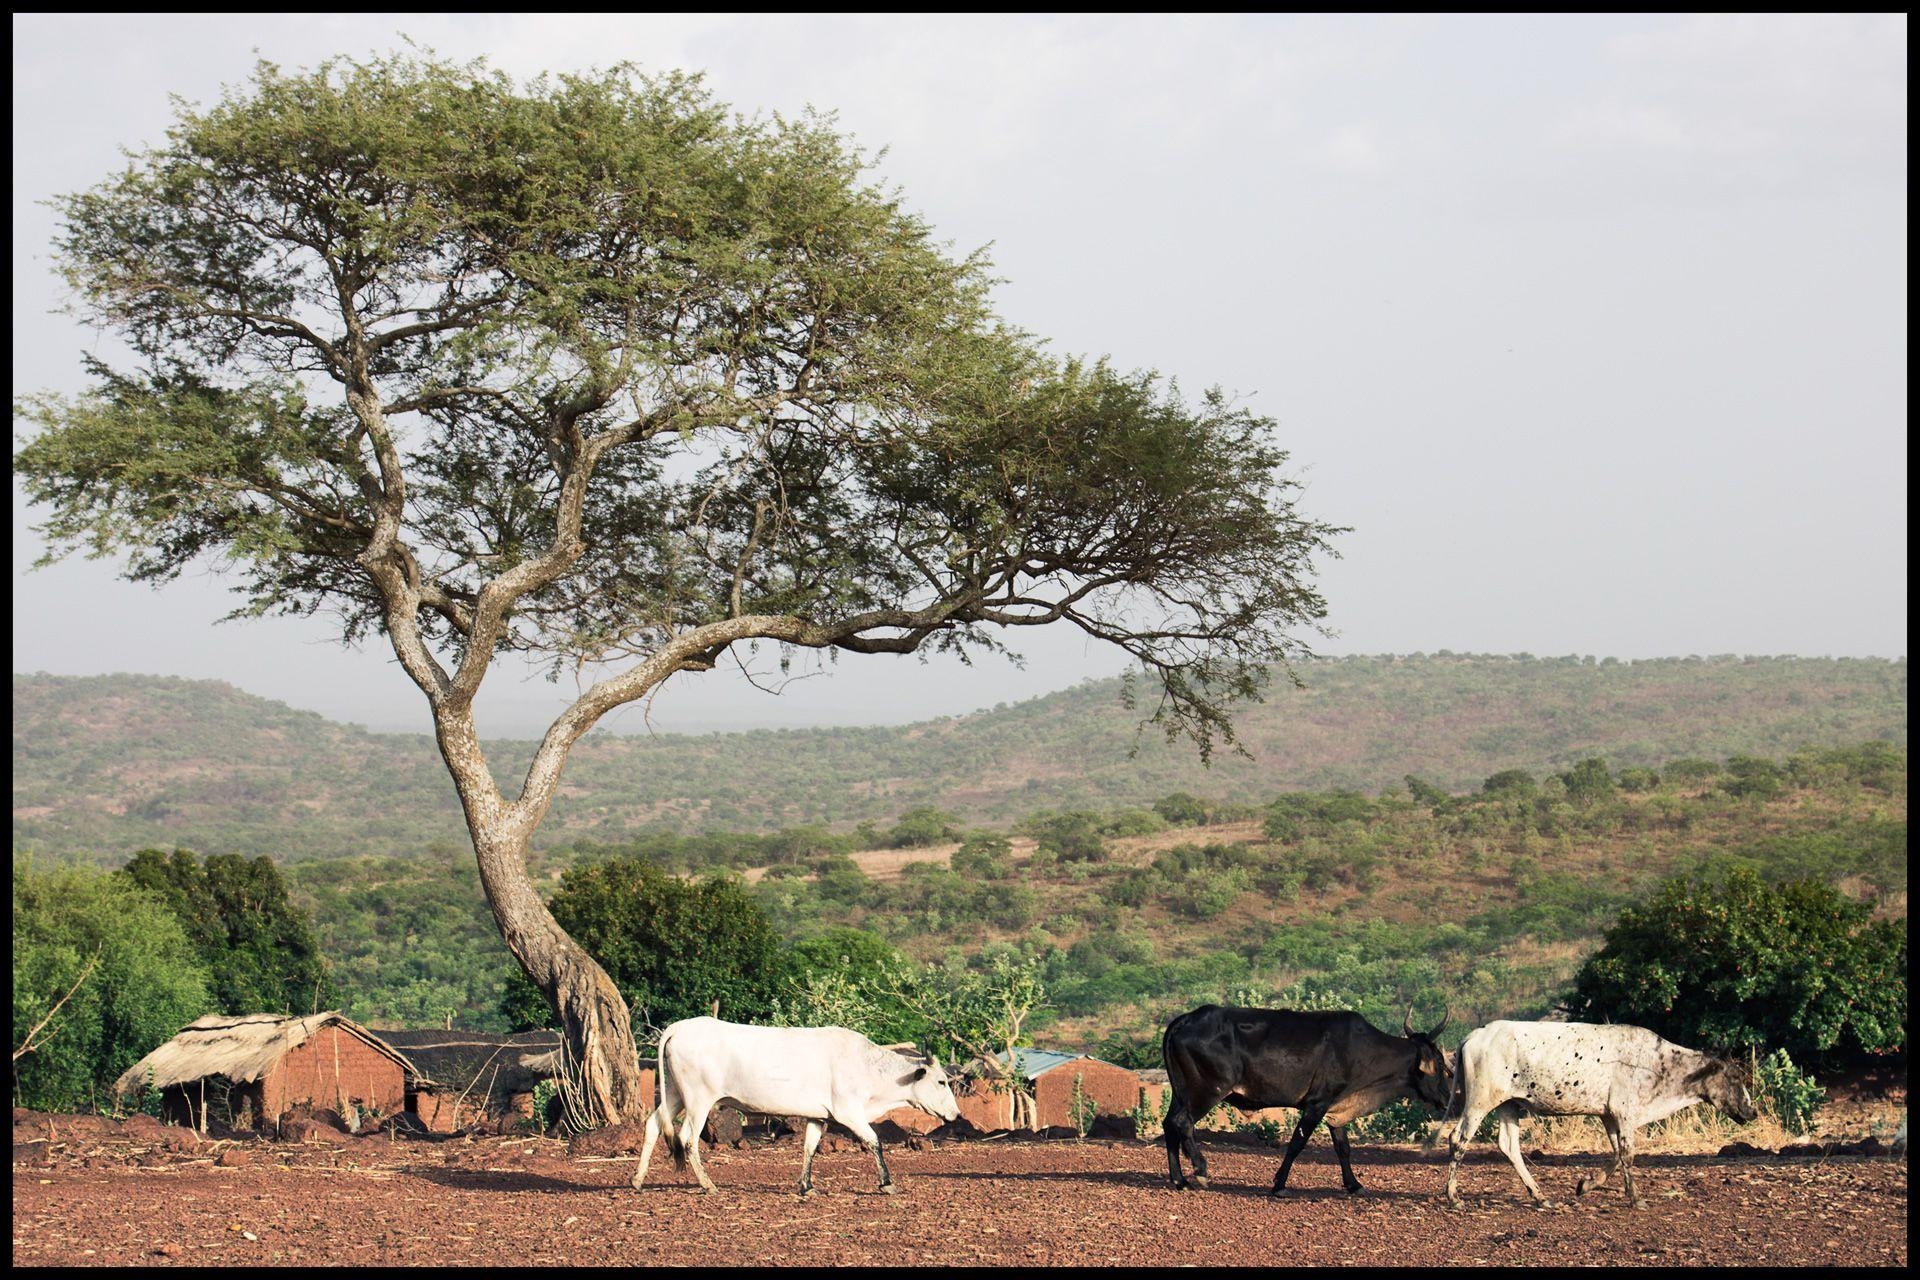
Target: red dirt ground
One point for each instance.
(498, 1201)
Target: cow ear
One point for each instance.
(1702, 1074)
(913, 1076)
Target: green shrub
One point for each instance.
(1741, 963)
(1401, 1120)
(143, 981)
(1787, 1093)
(1181, 809)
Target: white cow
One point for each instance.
(819, 1073)
(1628, 1076)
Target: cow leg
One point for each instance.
(1510, 1144)
(690, 1128)
(864, 1131)
(1343, 1150)
(1626, 1165)
(1595, 1181)
(1177, 1131)
(1457, 1146)
(654, 1125)
(815, 1128)
(1309, 1120)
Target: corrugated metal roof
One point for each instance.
(1033, 1063)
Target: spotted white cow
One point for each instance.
(818, 1073)
(1628, 1076)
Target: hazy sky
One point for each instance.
(1593, 328)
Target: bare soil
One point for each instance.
(112, 1200)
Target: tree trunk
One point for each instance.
(602, 1061)
(603, 1065)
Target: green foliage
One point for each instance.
(1510, 782)
(1798, 967)
(977, 1010)
(143, 981)
(1147, 1114)
(1588, 781)
(1070, 837)
(984, 857)
(1636, 780)
(256, 945)
(1401, 1120)
(1268, 1131)
(1181, 809)
(672, 947)
(922, 826)
(849, 978)
(1787, 1093)
(1754, 777)
(411, 942)
(1690, 769)
(1080, 1108)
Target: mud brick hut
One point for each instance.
(1048, 1077)
(252, 1071)
(479, 1079)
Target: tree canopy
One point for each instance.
(597, 369)
(672, 946)
(598, 372)
(1739, 962)
(125, 968)
(258, 948)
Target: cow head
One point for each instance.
(1728, 1084)
(929, 1088)
(1432, 1074)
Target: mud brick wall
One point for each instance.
(331, 1069)
(1113, 1091)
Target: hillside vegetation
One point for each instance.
(1485, 901)
(104, 766)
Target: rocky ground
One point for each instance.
(90, 1191)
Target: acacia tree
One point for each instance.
(594, 371)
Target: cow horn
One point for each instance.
(1444, 1015)
(1406, 1023)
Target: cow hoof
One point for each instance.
(889, 1189)
(1355, 1189)
(1199, 1180)
(806, 1193)
(1637, 1203)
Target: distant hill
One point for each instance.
(109, 764)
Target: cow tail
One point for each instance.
(1176, 1099)
(670, 1106)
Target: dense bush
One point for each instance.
(143, 981)
(672, 946)
(257, 947)
(922, 826)
(1799, 967)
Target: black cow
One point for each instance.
(1333, 1066)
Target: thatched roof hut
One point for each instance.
(277, 1062)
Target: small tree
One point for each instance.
(1588, 781)
(102, 975)
(672, 946)
(258, 948)
(1799, 967)
(594, 372)
(980, 1014)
